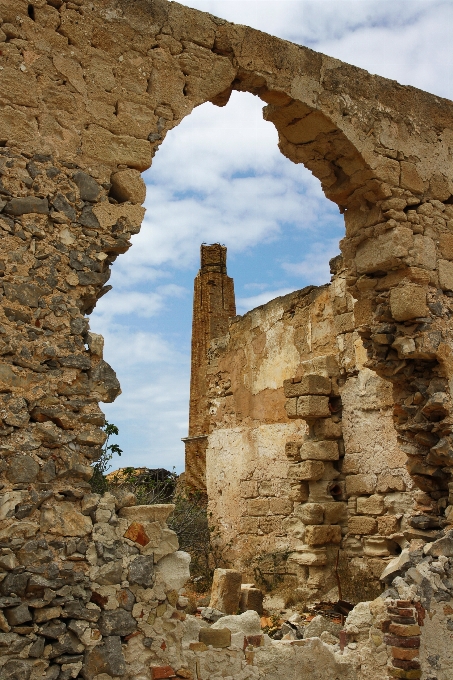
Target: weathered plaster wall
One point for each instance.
(287, 522)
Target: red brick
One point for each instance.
(407, 654)
(406, 664)
(403, 603)
(403, 620)
(420, 613)
(161, 672)
(399, 611)
(406, 642)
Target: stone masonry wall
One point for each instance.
(327, 474)
(88, 91)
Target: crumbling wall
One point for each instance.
(315, 484)
(89, 90)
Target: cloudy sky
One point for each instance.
(220, 177)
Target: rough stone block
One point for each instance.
(312, 406)
(309, 557)
(362, 525)
(358, 485)
(281, 506)
(335, 512)
(319, 450)
(251, 599)
(308, 470)
(410, 178)
(409, 301)
(257, 507)
(344, 323)
(141, 571)
(220, 637)
(446, 246)
(322, 534)
(127, 185)
(292, 450)
(311, 513)
(226, 592)
(291, 408)
(388, 525)
(326, 428)
(373, 505)
(308, 384)
(385, 251)
(445, 274)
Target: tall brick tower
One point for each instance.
(213, 305)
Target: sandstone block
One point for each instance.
(362, 525)
(128, 185)
(357, 485)
(335, 512)
(308, 470)
(98, 143)
(226, 592)
(408, 302)
(376, 546)
(410, 178)
(344, 323)
(311, 513)
(292, 450)
(291, 408)
(308, 384)
(387, 525)
(310, 557)
(251, 599)
(257, 507)
(63, 519)
(445, 274)
(385, 251)
(327, 429)
(322, 534)
(220, 637)
(319, 450)
(281, 506)
(373, 505)
(446, 246)
(148, 513)
(404, 630)
(312, 406)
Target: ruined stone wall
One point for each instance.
(88, 91)
(311, 482)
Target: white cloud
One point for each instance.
(247, 303)
(314, 266)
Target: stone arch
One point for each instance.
(89, 90)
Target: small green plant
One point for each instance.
(99, 483)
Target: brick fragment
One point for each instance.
(406, 664)
(406, 642)
(403, 630)
(162, 672)
(400, 653)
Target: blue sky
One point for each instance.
(219, 176)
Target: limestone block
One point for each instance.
(256, 507)
(320, 624)
(311, 513)
(226, 590)
(319, 450)
(313, 407)
(446, 246)
(335, 512)
(64, 519)
(148, 513)
(326, 428)
(251, 599)
(291, 408)
(128, 185)
(409, 301)
(299, 492)
(424, 252)
(358, 485)
(281, 506)
(247, 623)
(376, 546)
(344, 323)
(175, 569)
(385, 251)
(445, 274)
(322, 533)
(220, 637)
(410, 178)
(362, 525)
(319, 491)
(308, 384)
(308, 470)
(309, 557)
(98, 143)
(373, 505)
(292, 450)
